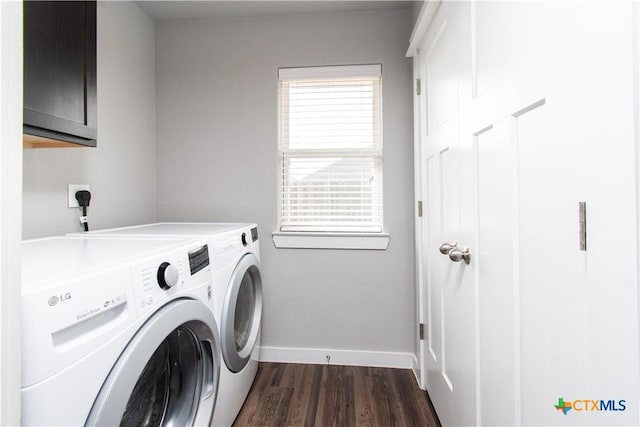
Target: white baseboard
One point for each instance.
(415, 369)
(379, 359)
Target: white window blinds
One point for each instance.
(331, 149)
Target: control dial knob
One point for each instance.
(168, 275)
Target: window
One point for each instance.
(331, 149)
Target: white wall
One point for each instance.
(217, 159)
(121, 170)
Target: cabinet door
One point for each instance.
(60, 71)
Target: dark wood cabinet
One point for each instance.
(60, 72)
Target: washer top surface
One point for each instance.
(172, 229)
(54, 258)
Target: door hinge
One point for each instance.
(421, 331)
(419, 208)
(582, 218)
(418, 89)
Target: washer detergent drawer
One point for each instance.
(71, 321)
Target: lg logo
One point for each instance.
(54, 300)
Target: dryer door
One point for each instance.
(241, 313)
(167, 375)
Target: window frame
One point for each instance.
(350, 239)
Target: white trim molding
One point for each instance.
(428, 11)
(330, 72)
(308, 240)
(318, 356)
(10, 209)
(416, 372)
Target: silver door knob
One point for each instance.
(457, 255)
(445, 248)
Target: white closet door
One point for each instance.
(553, 112)
(533, 318)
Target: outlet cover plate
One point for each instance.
(73, 188)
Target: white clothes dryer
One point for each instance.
(118, 332)
(237, 300)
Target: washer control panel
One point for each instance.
(168, 275)
(198, 259)
(184, 270)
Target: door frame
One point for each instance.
(10, 209)
(423, 22)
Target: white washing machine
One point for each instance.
(118, 332)
(237, 300)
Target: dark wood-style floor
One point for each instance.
(331, 395)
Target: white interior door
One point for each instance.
(449, 286)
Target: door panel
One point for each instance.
(497, 48)
(449, 226)
(551, 266)
(611, 286)
(496, 287)
(433, 238)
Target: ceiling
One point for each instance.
(182, 10)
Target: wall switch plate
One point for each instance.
(73, 188)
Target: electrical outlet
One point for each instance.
(73, 188)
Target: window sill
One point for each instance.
(306, 240)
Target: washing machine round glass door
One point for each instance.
(241, 313)
(167, 375)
